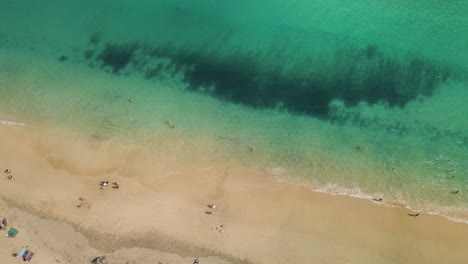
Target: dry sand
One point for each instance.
(158, 214)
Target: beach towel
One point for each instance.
(12, 232)
(29, 257)
(22, 252)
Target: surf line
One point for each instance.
(11, 123)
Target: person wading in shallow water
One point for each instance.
(169, 122)
(363, 148)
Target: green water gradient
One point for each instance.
(416, 154)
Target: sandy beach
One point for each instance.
(234, 132)
(159, 211)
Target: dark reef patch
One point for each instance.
(88, 54)
(116, 56)
(63, 58)
(307, 87)
(95, 38)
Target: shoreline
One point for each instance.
(171, 201)
(336, 157)
(333, 190)
(369, 198)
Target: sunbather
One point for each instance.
(3, 224)
(104, 183)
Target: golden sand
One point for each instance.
(159, 211)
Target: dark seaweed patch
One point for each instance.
(351, 75)
(116, 56)
(63, 58)
(364, 75)
(370, 51)
(88, 54)
(155, 71)
(95, 38)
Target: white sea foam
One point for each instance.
(334, 189)
(11, 123)
(278, 171)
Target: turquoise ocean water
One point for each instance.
(302, 82)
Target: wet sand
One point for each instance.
(158, 213)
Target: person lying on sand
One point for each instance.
(414, 215)
(377, 199)
(212, 206)
(84, 204)
(454, 192)
(10, 177)
(3, 224)
(195, 261)
(7, 171)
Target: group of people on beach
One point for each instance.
(8, 171)
(212, 207)
(105, 183)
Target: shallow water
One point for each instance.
(303, 83)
